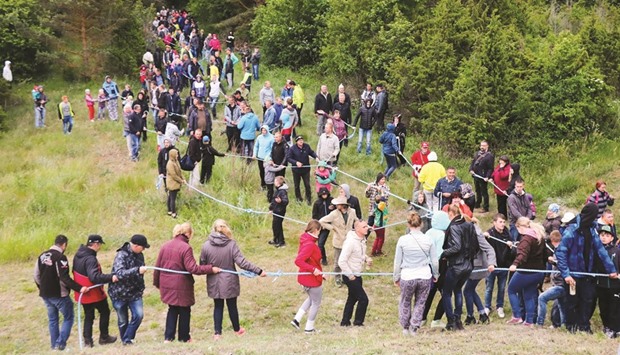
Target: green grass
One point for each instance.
(84, 183)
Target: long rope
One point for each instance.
(491, 181)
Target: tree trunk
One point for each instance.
(85, 66)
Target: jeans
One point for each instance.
(89, 318)
(501, 277)
(135, 145)
(67, 124)
(578, 310)
(368, 134)
(59, 337)
(524, 285)
(514, 233)
(218, 314)
(255, 71)
(39, 117)
(356, 295)
(552, 293)
(126, 328)
(452, 285)
(179, 314)
(229, 79)
(213, 104)
(391, 164)
(471, 297)
(247, 148)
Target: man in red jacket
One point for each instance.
(87, 272)
(418, 159)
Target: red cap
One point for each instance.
(424, 145)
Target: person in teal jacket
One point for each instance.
(248, 126)
(262, 151)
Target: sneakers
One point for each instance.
(272, 242)
(500, 312)
(281, 245)
(311, 331)
(107, 340)
(488, 311)
(438, 324)
(295, 323)
(514, 320)
(240, 332)
(410, 331)
(339, 282)
(469, 320)
(484, 319)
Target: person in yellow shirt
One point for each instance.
(298, 99)
(430, 173)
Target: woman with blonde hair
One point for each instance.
(531, 254)
(221, 250)
(177, 289)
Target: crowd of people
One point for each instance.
(445, 250)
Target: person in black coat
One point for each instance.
(368, 115)
(208, 159)
(401, 132)
(299, 157)
(321, 208)
(278, 209)
(136, 125)
(322, 102)
(162, 158)
(482, 165)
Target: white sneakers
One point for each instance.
(500, 312)
(438, 324)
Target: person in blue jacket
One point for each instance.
(390, 148)
(248, 126)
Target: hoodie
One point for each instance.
(439, 223)
(308, 259)
(389, 140)
(263, 144)
(322, 206)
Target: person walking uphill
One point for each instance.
(87, 272)
(390, 149)
(308, 260)
(51, 274)
(579, 248)
(352, 261)
(177, 290)
(482, 165)
(222, 251)
(126, 294)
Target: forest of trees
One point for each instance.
(523, 74)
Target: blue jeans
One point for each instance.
(213, 104)
(368, 134)
(58, 337)
(553, 293)
(514, 234)
(67, 124)
(126, 328)
(501, 277)
(39, 117)
(453, 285)
(255, 71)
(523, 284)
(471, 297)
(391, 164)
(135, 145)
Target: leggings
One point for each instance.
(312, 304)
(218, 314)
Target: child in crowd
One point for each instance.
(65, 113)
(90, 105)
(102, 100)
(556, 291)
(208, 159)
(608, 289)
(381, 212)
(325, 176)
(278, 209)
(270, 175)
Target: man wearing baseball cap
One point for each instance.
(126, 294)
(299, 157)
(87, 272)
(418, 159)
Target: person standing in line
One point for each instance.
(177, 290)
(352, 261)
(126, 294)
(222, 251)
(308, 261)
(368, 117)
(87, 272)
(51, 275)
(248, 126)
(298, 99)
(502, 244)
(415, 268)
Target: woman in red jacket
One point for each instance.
(176, 289)
(309, 261)
(501, 177)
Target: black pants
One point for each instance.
(182, 316)
(230, 137)
(276, 227)
(305, 176)
(218, 314)
(436, 287)
(281, 172)
(579, 307)
(380, 125)
(269, 192)
(89, 319)
(609, 306)
(356, 295)
(298, 109)
(322, 240)
(261, 172)
(401, 145)
(206, 171)
(172, 200)
(502, 205)
(482, 193)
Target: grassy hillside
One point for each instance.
(84, 183)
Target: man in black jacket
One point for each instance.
(381, 105)
(135, 130)
(482, 165)
(87, 272)
(322, 102)
(499, 238)
(459, 252)
(51, 274)
(195, 153)
(299, 156)
(368, 116)
(279, 151)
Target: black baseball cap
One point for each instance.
(95, 238)
(298, 138)
(139, 239)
